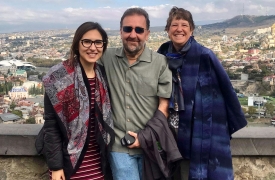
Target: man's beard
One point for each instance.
(132, 51)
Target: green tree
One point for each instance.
(31, 120)
(245, 69)
(269, 108)
(18, 113)
(12, 105)
(244, 110)
(251, 110)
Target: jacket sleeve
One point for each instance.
(52, 137)
(235, 115)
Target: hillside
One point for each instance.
(242, 21)
(235, 25)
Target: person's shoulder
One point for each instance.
(157, 55)
(204, 50)
(100, 67)
(164, 48)
(207, 53)
(165, 45)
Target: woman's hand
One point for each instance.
(58, 175)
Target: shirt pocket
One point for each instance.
(147, 86)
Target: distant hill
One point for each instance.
(235, 26)
(243, 21)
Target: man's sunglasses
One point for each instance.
(129, 29)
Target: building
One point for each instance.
(19, 64)
(39, 119)
(263, 30)
(9, 118)
(18, 92)
(273, 29)
(7, 68)
(21, 73)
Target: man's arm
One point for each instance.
(163, 106)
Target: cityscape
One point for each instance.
(248, 57)
(35, 35)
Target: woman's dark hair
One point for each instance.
(138, 11)
(179, 13)
(81, 30)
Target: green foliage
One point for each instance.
(12, 105)
(43, 62)
(239, 70)
(31, 120)
(18, 113)
(233, 76)
(35, 90)
(244, 110)
(245, 69)
(269, 108)
(251, 110)
(243, 101)
(6, 87)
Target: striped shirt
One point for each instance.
(90, 168)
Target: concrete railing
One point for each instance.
(253, 151)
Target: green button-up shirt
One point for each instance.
(135, 90)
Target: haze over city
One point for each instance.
(33, 15)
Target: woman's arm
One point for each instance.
(52, 138)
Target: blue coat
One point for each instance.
(212, 114)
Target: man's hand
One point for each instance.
(58, 175)
(136, 143)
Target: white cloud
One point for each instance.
(108, 14)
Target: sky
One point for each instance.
(35, 15)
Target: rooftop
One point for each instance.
(9, 117)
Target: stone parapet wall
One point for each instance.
(254, 168)
(253, 151)
(35, 168)
(23, 168)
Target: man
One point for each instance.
(140, 83)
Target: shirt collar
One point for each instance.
(145, 55)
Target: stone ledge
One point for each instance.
(254, 141)
(19, 139)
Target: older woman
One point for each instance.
(78, 129)
(204, 109)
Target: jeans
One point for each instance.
(125, 166)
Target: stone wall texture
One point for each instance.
(34, 168)
(254, 168)
(23, 168)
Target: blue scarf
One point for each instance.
(175, 62)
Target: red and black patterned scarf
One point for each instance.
(64, 84)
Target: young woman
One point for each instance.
(78, 129)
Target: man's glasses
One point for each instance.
(87, 43)
(128, 29)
